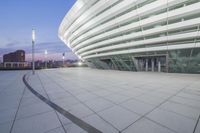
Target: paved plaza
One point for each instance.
(110, 101)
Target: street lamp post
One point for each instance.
(45, 53)
(63, 57)
(33, 51)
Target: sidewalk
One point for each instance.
(110, 101)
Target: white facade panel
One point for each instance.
(95, 28)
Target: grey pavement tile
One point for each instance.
(63, 119)
(33, 109)
(149, 87)
(102, 92)
(15, 91)
(146, 126)
(197, 130)
(160, 94)
(3, 84)
(7, 115)
(117, 98)
(7, 98)
(186, 101)
(114, 89)
(36, 124)
(58, 95)
(75, 91)
(29, 100)
(119, 117)
(86, 96)
(37, 87)
(80, 110)
(9, 104)
(28, 94)
(72, 128)
(5, 127)
(51, 87)
(138, 106)
(131, 93)
(56, 130)
(99, 104)
(91, 88)
(184, 110)
(168, 90)
(100, 124)
(173, 121)
(150, 100)
(192, 91)
(66, 102)
(179, 114)
(189, 96)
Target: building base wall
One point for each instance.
(15, 64)
(176, 61)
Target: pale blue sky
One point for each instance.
(18, 17)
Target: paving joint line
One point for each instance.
(160, 124)
(50, 99)
(10, 84)
(188, 117)
(34, 115)
(197, 100)
(145, 103)
(119, 104)
(157, 107)
(196, 125)
(191, 106)
(17, 111)
(85, 126)
(86, 105)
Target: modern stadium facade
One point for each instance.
(135, 35)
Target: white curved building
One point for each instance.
(135, 35)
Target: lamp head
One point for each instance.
(80, 63)
(45, 52)
(33, 35)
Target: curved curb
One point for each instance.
(85, 126)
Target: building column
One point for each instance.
(167, 62)
(159, 66)
(11, 65)
(152, 65)
(146, 65)
(136, 63)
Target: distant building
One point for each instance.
(15, 59)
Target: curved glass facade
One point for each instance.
(135, 35)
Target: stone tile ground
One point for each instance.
(111, 101)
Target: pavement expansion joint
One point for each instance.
(82, 124)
